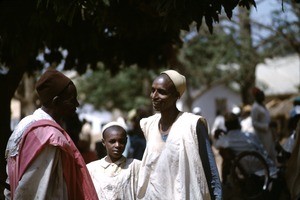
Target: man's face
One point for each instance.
(68, 101)
(163, 93)
(114, 140)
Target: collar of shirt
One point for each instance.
(106, 164)
(112, 169)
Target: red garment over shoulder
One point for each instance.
(35, 138)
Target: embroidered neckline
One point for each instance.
(164, 137)
(164, 134)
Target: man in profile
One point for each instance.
(42, 160)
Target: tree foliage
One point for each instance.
(226, 57)
(287, 25)
(126, 90)
(114, 32)
(204, 54)
(247, 43)
(281, 35)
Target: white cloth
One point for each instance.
(246, 125)
(44, 177)
(115, 180)
(172, 169)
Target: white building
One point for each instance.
(277, 76)
(218, 97)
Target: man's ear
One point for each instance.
(55, 100)
(103, 142)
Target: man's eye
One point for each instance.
(163, 92)
(123, 141)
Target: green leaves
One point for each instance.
(126, 90)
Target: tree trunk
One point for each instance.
(27, 95)
(248, 57)
(9, 82)
(4, 126)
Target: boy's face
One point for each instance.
(114, 140)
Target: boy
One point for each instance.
(114, 176)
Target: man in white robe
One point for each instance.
(178, 162)
(261, 123)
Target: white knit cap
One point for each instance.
(110, 124)
(178, 80)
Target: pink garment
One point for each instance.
(35, 138)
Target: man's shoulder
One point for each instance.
(154, 116)
(144, 122)
(25, 122)
(193, 117)
(48, 131)
(46, 125)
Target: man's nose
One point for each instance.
(154, 94)
(76, 103)
(118, 144)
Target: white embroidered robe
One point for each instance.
(172, 169)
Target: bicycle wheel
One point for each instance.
(250, 172)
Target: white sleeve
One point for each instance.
(44, 177)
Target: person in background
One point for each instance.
(136, 136)
(238, 141)
(115, 176)
(294, 117)
(84, 146)
(261, 122)
(178, 162)
(86, 128)
(42, 160)
(219, 123)
(296, 107)
(85, 142)
(293, 168)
